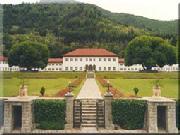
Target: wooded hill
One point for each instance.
(64, 27)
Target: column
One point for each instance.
(7, 117)
(152, 118)
(108, 97)
(27, 117)
(69, 110)
(171, 118)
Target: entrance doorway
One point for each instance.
(161, 117)
(17, 117)
(90, 67)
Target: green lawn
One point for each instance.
(137, 75)
(52, 81)
(126, 81)
(169, 87)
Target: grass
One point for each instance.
(169, 87)
(126, 81)
(52, 86)
(52, 81)
(77, 89)
(136, 75)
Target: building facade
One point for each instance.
(85, 60)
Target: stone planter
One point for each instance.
(156, 91)
(23, 91)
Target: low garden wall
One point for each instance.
(49, 114)
(129, 113)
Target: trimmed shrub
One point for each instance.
(129, 114)
(49, 114)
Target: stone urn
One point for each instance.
(23, 91)
(156, 91)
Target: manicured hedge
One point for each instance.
(49, 114)
(177, 114)
(129, 114)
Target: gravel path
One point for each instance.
(89, 90)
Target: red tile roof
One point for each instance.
(55, 60)
(121, 60)
(90, 53)
(2, 58)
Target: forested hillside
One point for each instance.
(64, 27)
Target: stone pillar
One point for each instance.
(108, 97)
(171, 118)
(153, 103)
(26, 105)
(69, 111)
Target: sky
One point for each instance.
(154, 9)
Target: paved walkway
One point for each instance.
(89, 90)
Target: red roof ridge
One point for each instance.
(55, 60)
(90, 52)
(2, 58)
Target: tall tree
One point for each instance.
(150, 51)
(28, 55)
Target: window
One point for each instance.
(86, 59)
(94, 59)
(76, 68)
(121, 68)
(66, 68)
(71, 68)
(109, 59)
(99, 59)
(114, 68)
(80, 59)
(99, 68)
(109, 68)
(80, 68)
(76, 59)
(57, 69)
(66, 59)
(114, 59)
(104, 59)
(104, 68)
(71, 59)
(90, 59)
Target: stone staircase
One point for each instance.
(89, 114)
(90, 75)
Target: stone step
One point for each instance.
(88, 118)
(88, 121)
(88, 125)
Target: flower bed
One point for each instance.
(75, 83)
(116, 93)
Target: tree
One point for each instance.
(136, 90)
(28, 55)
(150, 51)
(42, 91)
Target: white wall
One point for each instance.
(79, 63)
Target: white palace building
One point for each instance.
(87, 59)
